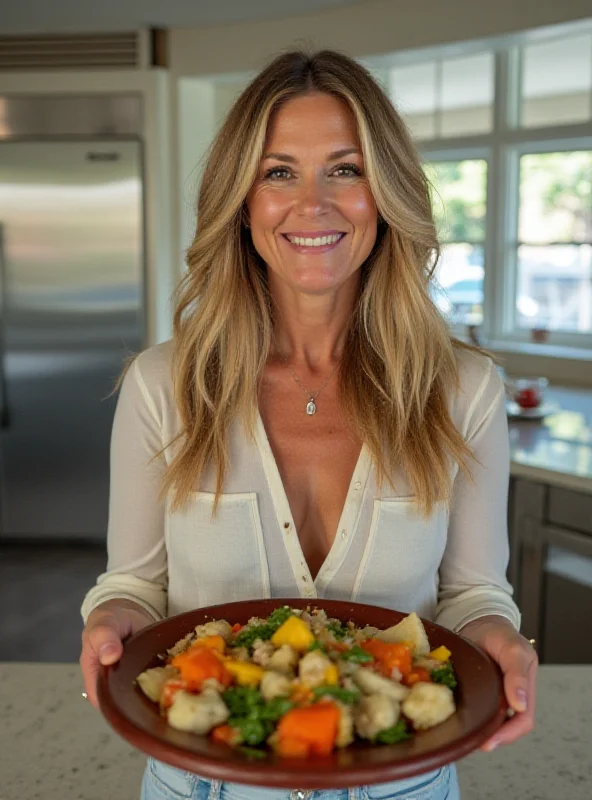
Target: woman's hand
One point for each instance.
(518, 662)
(102, 639)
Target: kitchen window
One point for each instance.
(505, 130)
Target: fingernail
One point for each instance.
(521, 703)
(491, 746)
(107, 650)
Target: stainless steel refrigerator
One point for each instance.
(72, 309)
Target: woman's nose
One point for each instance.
(313, 199)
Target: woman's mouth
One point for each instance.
(319, 242)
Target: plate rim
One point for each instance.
(251, 772)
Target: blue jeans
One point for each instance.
(162, 782)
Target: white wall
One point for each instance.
(363, 29)
(154, 87)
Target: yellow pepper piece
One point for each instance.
(245, 674)
(294, 632)
(440, 653)
(331, 675)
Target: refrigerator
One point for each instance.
(71, 311)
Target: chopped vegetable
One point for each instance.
(389, 656)
(242, 699)
(315, 726)
(395, 734)
(446, 675)
(440, 653)
(331, 675)
(226, 734)
(198, 664)
(417, 675)
(347, 696)
(337, 629)
(237, 627)
(246, 674)
(357, 655)
(294, 632)
(216, 643)
(250, 633)
(316, 645)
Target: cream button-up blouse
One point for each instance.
(449, 567)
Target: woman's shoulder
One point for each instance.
(155, 363)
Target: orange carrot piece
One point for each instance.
(389, 656)
(215, 642)
(169, 690)
(198, 664)
(292, 748)
(225, 734)
(237, 627)
(417, 675)
(315, 725)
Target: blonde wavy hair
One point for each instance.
(399, 362)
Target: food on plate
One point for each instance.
(302, 683)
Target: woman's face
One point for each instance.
(313, 219)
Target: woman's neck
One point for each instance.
(312, 329)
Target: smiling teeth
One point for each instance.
(318, 242)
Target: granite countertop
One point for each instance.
(55, 746)
(558, 448)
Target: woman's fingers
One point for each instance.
(101, 644)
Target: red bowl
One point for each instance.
(481, 709)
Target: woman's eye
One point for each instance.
(347, 170)
(277, 174)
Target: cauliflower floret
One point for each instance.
(428, 704)
(262, 652)
(218, 627)
(371, 683)
(284, 659)
(345, 728)
(409, 630)
(274, 684)
(318, 622)
(152, 680)
(197, 713)
(182, 645)
(313, 667)
(238, 653)
(375, 713)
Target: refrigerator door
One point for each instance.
(72, 310)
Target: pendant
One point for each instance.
(311, 408)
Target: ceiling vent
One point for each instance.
(77, 51)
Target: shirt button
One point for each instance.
(343, 533)
(358, 484)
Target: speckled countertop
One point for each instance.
(54, 746)
(558, 448)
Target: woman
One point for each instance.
(312, 430)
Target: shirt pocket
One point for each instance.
(217, 558)
(168, 783)
(400, 563)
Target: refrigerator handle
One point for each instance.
(4, 413)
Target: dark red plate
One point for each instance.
(481, 709)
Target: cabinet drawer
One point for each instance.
(570, 509)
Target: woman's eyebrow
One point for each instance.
(337, 154)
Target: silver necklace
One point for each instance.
(311, 406)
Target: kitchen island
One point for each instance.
(55, 746)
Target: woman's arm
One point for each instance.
(137, 563)
(475, 596)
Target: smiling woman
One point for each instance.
(312, 430)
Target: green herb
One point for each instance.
(241, 700)
(337, 629)
(395, 734)
(446, 675)
(251, 715)
(357, 655)
(316, 645)
(345, 695)
(248, 635)
(276, 708)
(253, 730)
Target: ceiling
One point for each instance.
(60, 16)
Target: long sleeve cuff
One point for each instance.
(152, 597)
(457, 611)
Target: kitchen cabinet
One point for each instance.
(551, 568)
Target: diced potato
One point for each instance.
(313, 668)
(262, 652)
(284, 659)
(371, 683)
(345, 730)
(375, 713)
(410, 631)
(197, 713)
(152, 680)
(428, 704)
